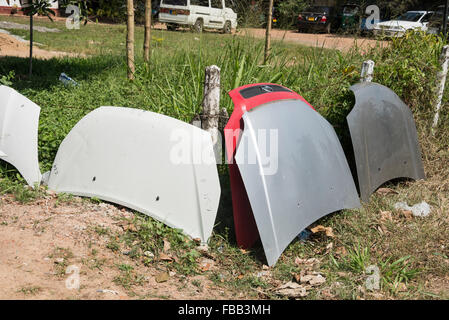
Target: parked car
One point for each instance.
(411, 20)
(198, 14)
(436, 21)
(351, 15)
(318, 18)
(275, 19)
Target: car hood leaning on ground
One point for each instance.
(399, 25)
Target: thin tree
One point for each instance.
(268, 32)
(130, 40)
(147, 40)
(31, 8)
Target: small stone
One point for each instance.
(59, 260)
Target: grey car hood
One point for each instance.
(305, 177)
(384, 138)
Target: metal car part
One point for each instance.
(145, 161)
(303, 177)
(246, 98)
(19, 122)
(384, 138)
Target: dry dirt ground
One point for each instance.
(329, 41)
(10, 46)
(41, 240)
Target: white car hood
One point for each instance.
(145, 161)
(19, 121)
(399, 25)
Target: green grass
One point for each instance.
(30, 290)
(408, 253)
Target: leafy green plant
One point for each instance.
(397, 272)
(6, 80)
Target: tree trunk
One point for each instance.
(31, 46)
(130, 40)
(146, 43)
(268, 33)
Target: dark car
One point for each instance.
(317, 18)
(274, 22)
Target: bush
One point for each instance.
(409, 67)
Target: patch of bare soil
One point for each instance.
(41, 241)
(329, 41)
(10, 46)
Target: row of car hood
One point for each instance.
(286, 164)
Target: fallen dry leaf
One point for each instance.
(407, 214)
(313, 279)
(328, 294)
(165, 257)
(206, 264)
(129, 227)
(297, 277)
(310, 261)
(162, 277)
(327, 230)
(386, 191)
(386, 215)
(292, 290)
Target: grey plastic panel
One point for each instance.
(312, 178)
(384, 138)
(146, 161)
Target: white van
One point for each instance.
(198, 14)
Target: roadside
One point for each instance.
(40, 240)
(329, 41)
(13, 47)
